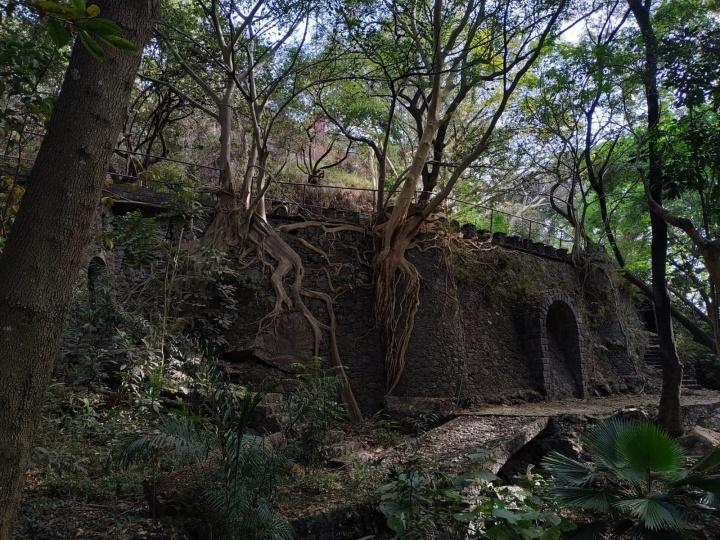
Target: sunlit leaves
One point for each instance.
(65, 19)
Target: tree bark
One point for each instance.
(45, 248)
(669, 416)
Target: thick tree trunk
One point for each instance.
(669, 415)
(52, 230)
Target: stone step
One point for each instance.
(689, 380)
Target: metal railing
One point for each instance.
(303, 196)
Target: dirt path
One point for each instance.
(590, 407)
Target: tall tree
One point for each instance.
(487, 47)
(670, 416)
(44, 251)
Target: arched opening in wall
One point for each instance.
(564, 363)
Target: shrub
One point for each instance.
(634, 482)
(420, 502)
(238, 505)
(313, 410)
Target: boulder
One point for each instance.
(267, 416)
(498, 437)
(699, 441)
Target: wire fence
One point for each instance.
(295, 198)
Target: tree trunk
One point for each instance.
(45, 248)
(669, 415)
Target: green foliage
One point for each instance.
(634, 481)
(313, 409)
(175, 438)
(238, 505)
(420, 502)
(174, 179)
(140, 239)
(66, 18)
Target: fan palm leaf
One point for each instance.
(644, 447)
(568, 470)
(655, 513)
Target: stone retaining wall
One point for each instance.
(481, 332)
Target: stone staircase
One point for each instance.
(653, 359)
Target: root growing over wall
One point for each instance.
(234, 228)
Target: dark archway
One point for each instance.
(563, 377)
(554, 343)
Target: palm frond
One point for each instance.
(708, 462)
(707, 483)
(654, 513)
(711, 500)
(645, 447)
(174, 436)
(568, 471)
(596, 500)
(602, 441)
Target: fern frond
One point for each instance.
(174, 436)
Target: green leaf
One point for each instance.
(507, 515)
(568, 471)
(587, 498)
(99, 26)
(58, 33)
(501, 532)
(484, 476)
(645, 447)
(119, 43)
(91, 45)
(49, 6)
(603, 439)
(397, 523)
(465, 517)
(79, 6)
(655, 514)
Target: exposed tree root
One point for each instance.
(329, 228)
(397, 297)
(232, 227)
(397, 286)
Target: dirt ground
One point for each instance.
(591, 407)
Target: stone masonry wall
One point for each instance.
(481, 332)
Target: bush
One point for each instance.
(313, 410)
(238, 505)
(420, 502)
(634, 482)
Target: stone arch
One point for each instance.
(555, 344)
